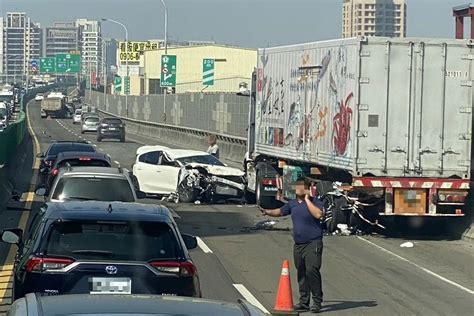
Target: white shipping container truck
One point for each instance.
(391, 117)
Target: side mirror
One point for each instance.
(12, 236)
(140, 195)
(40, 191)
(190, 241)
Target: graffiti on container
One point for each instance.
(342, 126)
(293, 128)
(322, 123)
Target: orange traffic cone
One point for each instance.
(284, 298)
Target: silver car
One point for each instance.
(90, 124)
(76, 119)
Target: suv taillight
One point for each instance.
(183, 268)
(38, 264)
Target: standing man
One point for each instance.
(213, 148)
(308, 249)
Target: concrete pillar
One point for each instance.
(460, 27)
(472, 25)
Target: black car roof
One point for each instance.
(111, 211)
(79, 154)
(71, 144)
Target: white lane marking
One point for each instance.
(94, 145)
(459, 286)
(203, 246)
(88, 141)
(249, 297)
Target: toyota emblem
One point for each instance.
(111, 269)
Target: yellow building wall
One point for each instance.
(237, 68)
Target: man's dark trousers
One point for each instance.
(308, 262)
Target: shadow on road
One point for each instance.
(345, 305)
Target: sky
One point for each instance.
(247, 23)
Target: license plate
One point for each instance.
(271, 189)
(112, 128)
(111, 285)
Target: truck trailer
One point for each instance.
(53, 105)
(392, 118)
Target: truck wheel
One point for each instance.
(186, 194)
(338, 215)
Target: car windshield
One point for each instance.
(89, 162)
(93, 188)
(60, 148)
(124, 240)
(201, 159)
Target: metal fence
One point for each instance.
(219, 113)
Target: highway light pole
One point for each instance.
(126, 58)
(166, 53)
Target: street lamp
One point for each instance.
(166, 25)
(126, 56)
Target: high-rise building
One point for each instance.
(374, 18)
(62, 37)
(91, 47)
(22, 42)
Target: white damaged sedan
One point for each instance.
(186, 175)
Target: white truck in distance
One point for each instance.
(390, 117)
(53, 105)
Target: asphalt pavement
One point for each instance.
(362, 275)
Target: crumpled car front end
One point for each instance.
(209, 183)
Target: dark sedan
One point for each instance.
(56, 148)
(77, 159)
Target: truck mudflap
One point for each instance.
(419, 196)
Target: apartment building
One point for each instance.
(374, 18)
(21, 43)
(62, 37)
(91, 47)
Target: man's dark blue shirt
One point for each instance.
(306, 228)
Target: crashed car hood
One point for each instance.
(218, 170)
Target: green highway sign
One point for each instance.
(127, 85)
(47, 65)
(68, 63)
(168, 71)
(208, 72)
(118, 84)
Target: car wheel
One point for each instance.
(185, 193)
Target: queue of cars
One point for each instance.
(92, 238)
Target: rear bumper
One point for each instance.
(89, 129)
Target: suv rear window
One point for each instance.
(92, 119)
(131, 241)
(112, 121)
(89, 162)
(93, 188)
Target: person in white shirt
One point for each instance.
(213, 148)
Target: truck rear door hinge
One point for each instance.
(362, 134)
(364, 80)
(466, 83)
(467, 57)
(365, 53)
(361, 161)
(467, 110)
(363, 107)
(464, 163)
(465, 136)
